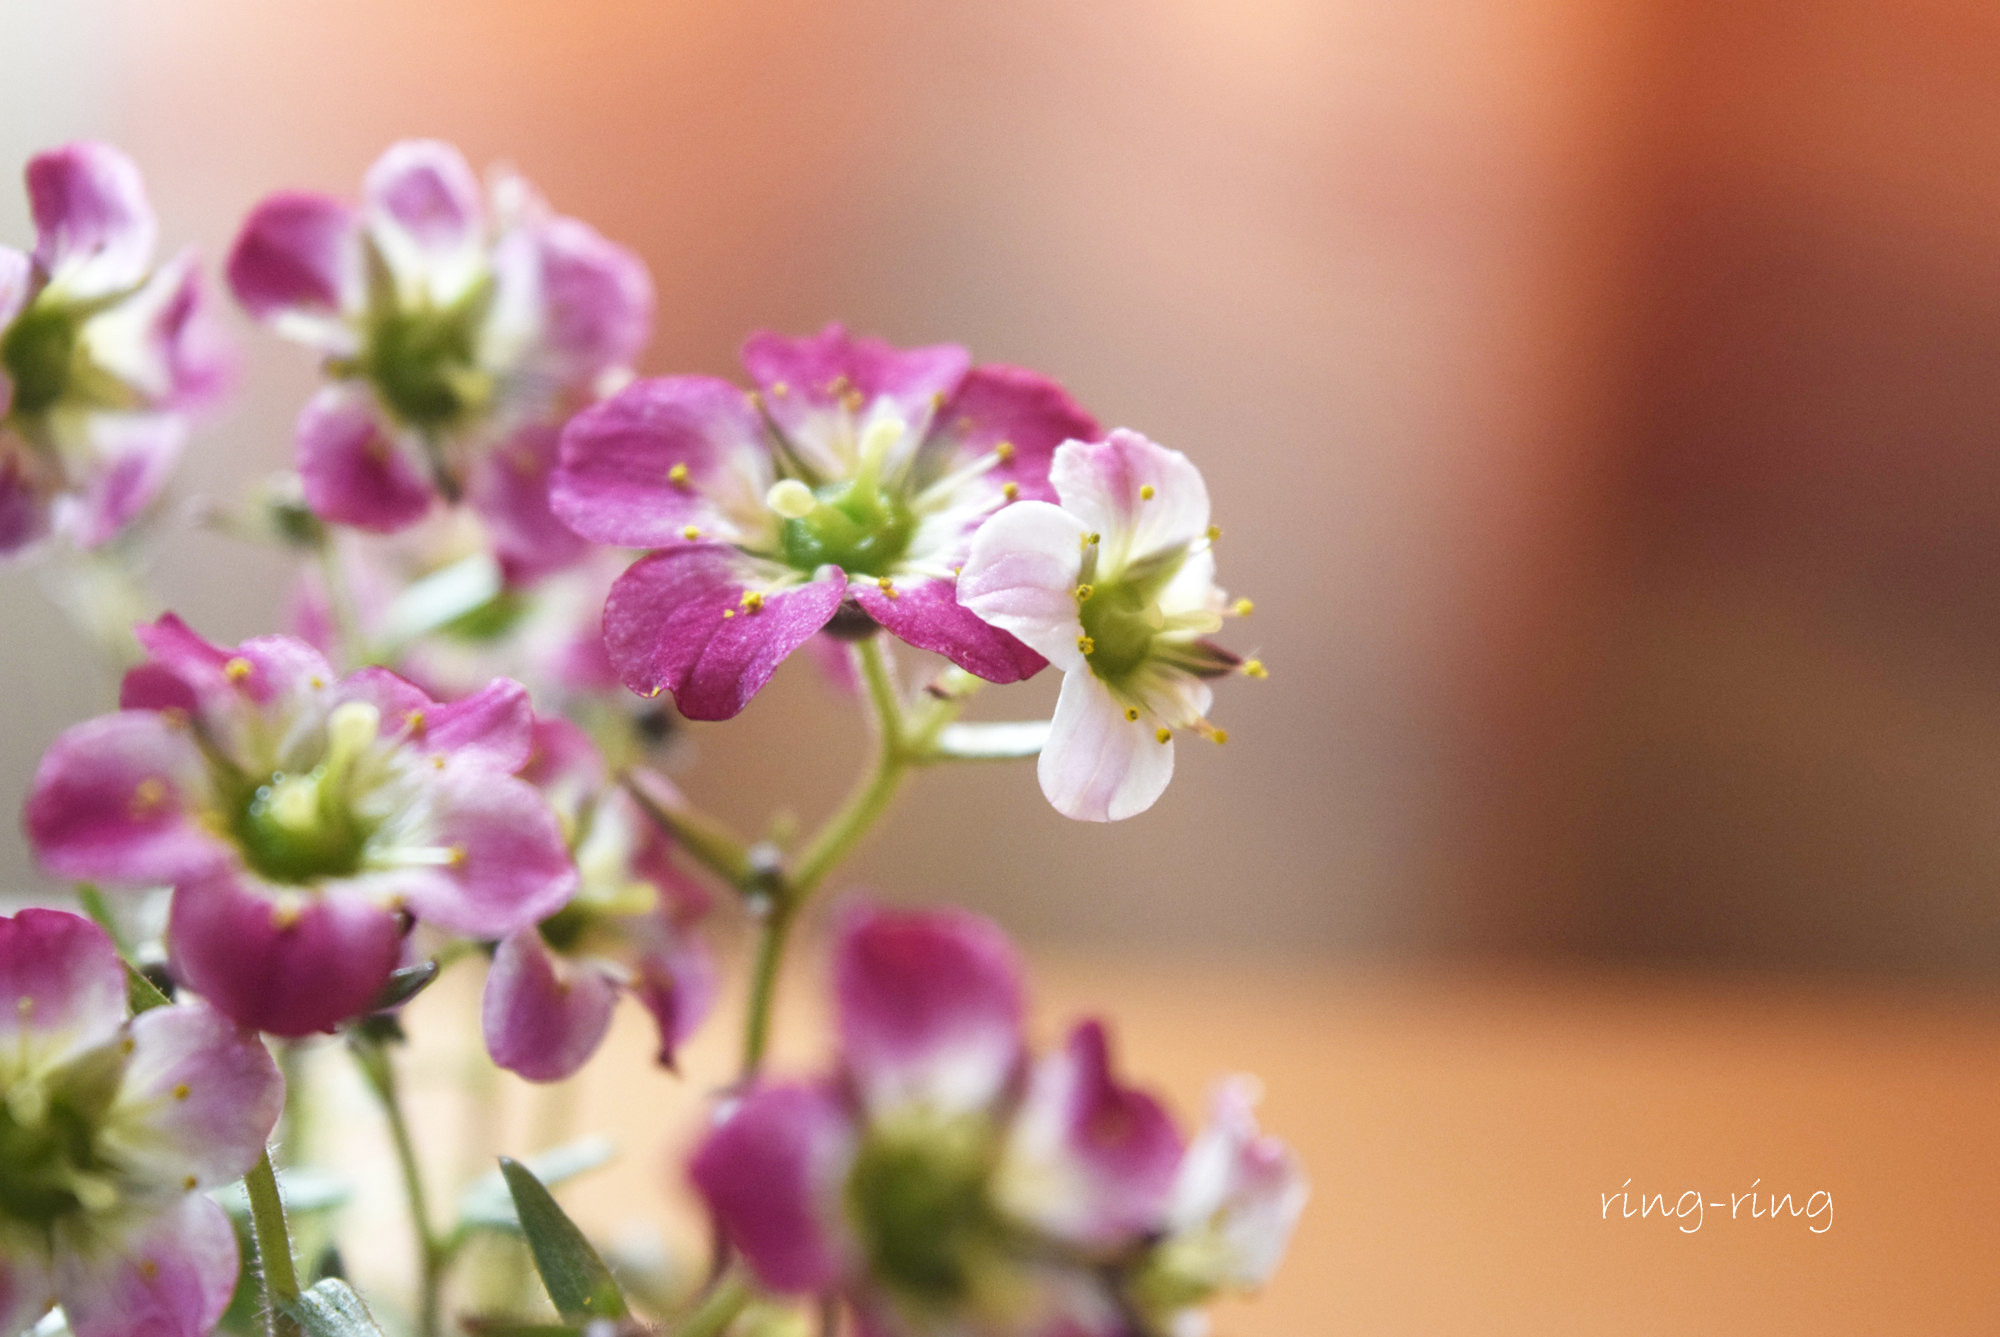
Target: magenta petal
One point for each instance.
(930, 1007)
(817, 371)
(565, 760)
(1026, 410)
(510, 490)
(194, 354)
(287, 962)
(170, 1277)
(428, 190)
(543, 1018)
(925, 612)
(297, 251)
(61, 984)
(677, 620)
(199, 1099)
(116, 799)
(617, 484)
(678, 984)
(94, 227)
(493, 728)
(132, 456)
(353, 470)
(773, 1175)
(598, 299)
(512, 868)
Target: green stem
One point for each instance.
(835, 840)
(432, 1253)
(764, 986)
(274, 1245)
(717, 1310)
(707, 840)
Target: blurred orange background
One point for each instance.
(1600, 402)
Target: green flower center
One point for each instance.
(1119, 623)
(302, 826)
(49, 1164)
(857, 526)
(40, 353)
(423, 364)
(919, 1195)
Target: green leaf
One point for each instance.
(992, 742)
(332, 1309)
(579, 1284)
(405, 984)
(488, 1205)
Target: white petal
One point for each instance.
(1021, 577)
(1141, 497)
(1098, 765)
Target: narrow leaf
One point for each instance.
(992, 742)
(405, 984)
(332, 1309)
(579, 1284)
(487, 1205)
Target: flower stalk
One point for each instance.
(433, 1254)
(274, 1245)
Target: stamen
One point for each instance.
(1244, 608)
(414, 720)
(780, 389)
(148, 795)
(752, 600)
(1145, 492)
(728, 613)
(1165, 735)
(691, 533)
(1084, 592)
(285, 912)
(456, 857)
(149, 1269)
(1214, 533)
(1010, 490)
(188, 1184)
(182, 1092)
(678, 476)
(317, 682)
(1086, 644)
(437, 760)
(1005, 450)
(791, 498)
(888, 587)
(1220, 736)
(1132, 712)
(1254, 668)
(237, 669)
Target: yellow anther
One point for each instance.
(888, 587)
(127, 1045)
(456, 857)
(852, 401)
(728, 613)
(237, 669)
(149, 1269)
(317, 682)
(1214, 533)
(1010, 490)
(148, 794)
(691, 533)
(1084, 592)
(1244, 608)
(1145, 492)
(1220, 735)
(650, 695)
(838, 386)
(1254, 668)
(678, 475)
(188, 1185)
(415, 719)
(1085, 644)
(1005, 450)
(780, 389)
(1164, 734)
(286, 913)
(182, 1092)
(437, 760)
(1092, 538)
(752, 600)
(1132, 712)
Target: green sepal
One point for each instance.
(579, 1284)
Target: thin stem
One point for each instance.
(340, 604)
(835, 840)
(707, 840)
(431, 1253)
(764, 986)
(717, 1310)
(274, 1245)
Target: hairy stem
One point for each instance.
(274, 1245)
(432, 1254)
(717, 1310)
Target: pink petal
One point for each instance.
(677, 621)
(1245, 1185)
(118, 799)
(298, 252)
(199, 1099)
(16, 276)
(1088, 1160)
(513, 869)
(171, 1276)
(197, 363)
(353, 470)
(616, 483)
(1021, 577)
(131, 456)
(231, 691)
(493, 728)
(62, 987)
(427, 190)
(678, 983)
(510, 490)
(925, 613)
(24, 511)
(773, 1173)
(817, 371)
(565, 759)
(597, 298)
(275, 959)
(1025, 409)
(543, 1018)
(929, 1007)
(26, 1292)
(1099, 766)
(94, 227)
(1104, 484)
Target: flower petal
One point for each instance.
(94, 226)
(510, 490)
(62, 987)
(597, 301)
(1244, 1185)
(929, 1007)
(26, 1290)
(16, 275)
(424, 211)
(678, 621)
(200, 1098)
(1029, 412)
(814, 385)
(773, 1173)
(286, 961)
(131, 456)
(662, 455)
(1099, 766)
(1106, 486)
(24, 510)
(1021, 577)
(298, 256)
(678, 982)
(511, 868)
(493, 728)
(117, 799)
(543, 1018)
(1088, 1160)
(925, 612)
(170, 1277)
(353, 470)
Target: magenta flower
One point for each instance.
(101, 354)
(854, 477)
(938, 1182)
(1116, 586)
(112, 1128)
(458, 332)
(302, 820)
(553, 985)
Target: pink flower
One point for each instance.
(853, 479)
(101, 354)
(458, 331)
(941, 1182)
(301, 819)
(1115, 584)
(630, 927)
(112, 1129)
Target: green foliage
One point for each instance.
(579, 1284)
